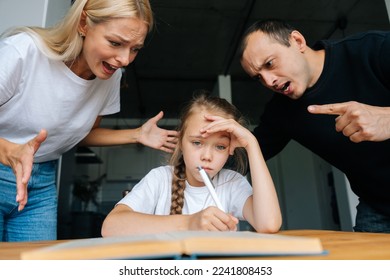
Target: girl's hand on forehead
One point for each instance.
(239, 134)
(215, 125)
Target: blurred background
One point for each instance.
(193, 46)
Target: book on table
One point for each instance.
(180, 245)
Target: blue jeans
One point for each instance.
(38, 219)
(370, 220)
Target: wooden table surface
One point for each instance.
(346, 245)
(339, 245)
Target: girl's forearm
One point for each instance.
(265, 208)
(130, 222)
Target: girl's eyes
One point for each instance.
(218, 147)
(221, 148)
(196, 143)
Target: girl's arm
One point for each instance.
(261, 209)
(149, 134)
(123, 220)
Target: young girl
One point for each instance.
(174, 197)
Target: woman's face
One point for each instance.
(108, 46)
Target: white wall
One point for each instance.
(31, 12)
(56, 10)
(387, 2)
(346, 200)
(22, 12)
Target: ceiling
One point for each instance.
(195, 41)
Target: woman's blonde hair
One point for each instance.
(215, 105)
(63, 42)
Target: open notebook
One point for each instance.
(178, 245)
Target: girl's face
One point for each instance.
(211, 153)
(108, 46)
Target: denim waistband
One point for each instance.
(46, 165)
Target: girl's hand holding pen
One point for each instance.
(212, 219)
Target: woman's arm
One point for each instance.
(123, 220)
(149, 134)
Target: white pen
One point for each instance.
(210, 186)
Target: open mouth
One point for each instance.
(109, 68)
(285, 87)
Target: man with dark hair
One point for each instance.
(334, 99)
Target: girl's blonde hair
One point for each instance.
(213, 105)
(63, 42)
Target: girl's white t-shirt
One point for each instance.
(152, 195)
(37, 92)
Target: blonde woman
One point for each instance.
(55, 85)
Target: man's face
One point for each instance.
(278, 67)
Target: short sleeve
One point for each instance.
(152, 194)
(11, 62)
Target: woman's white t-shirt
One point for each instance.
(37, 92)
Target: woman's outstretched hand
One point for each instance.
(156, 137)
(21, 160)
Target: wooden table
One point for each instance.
(346, 245)
(340, 245)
